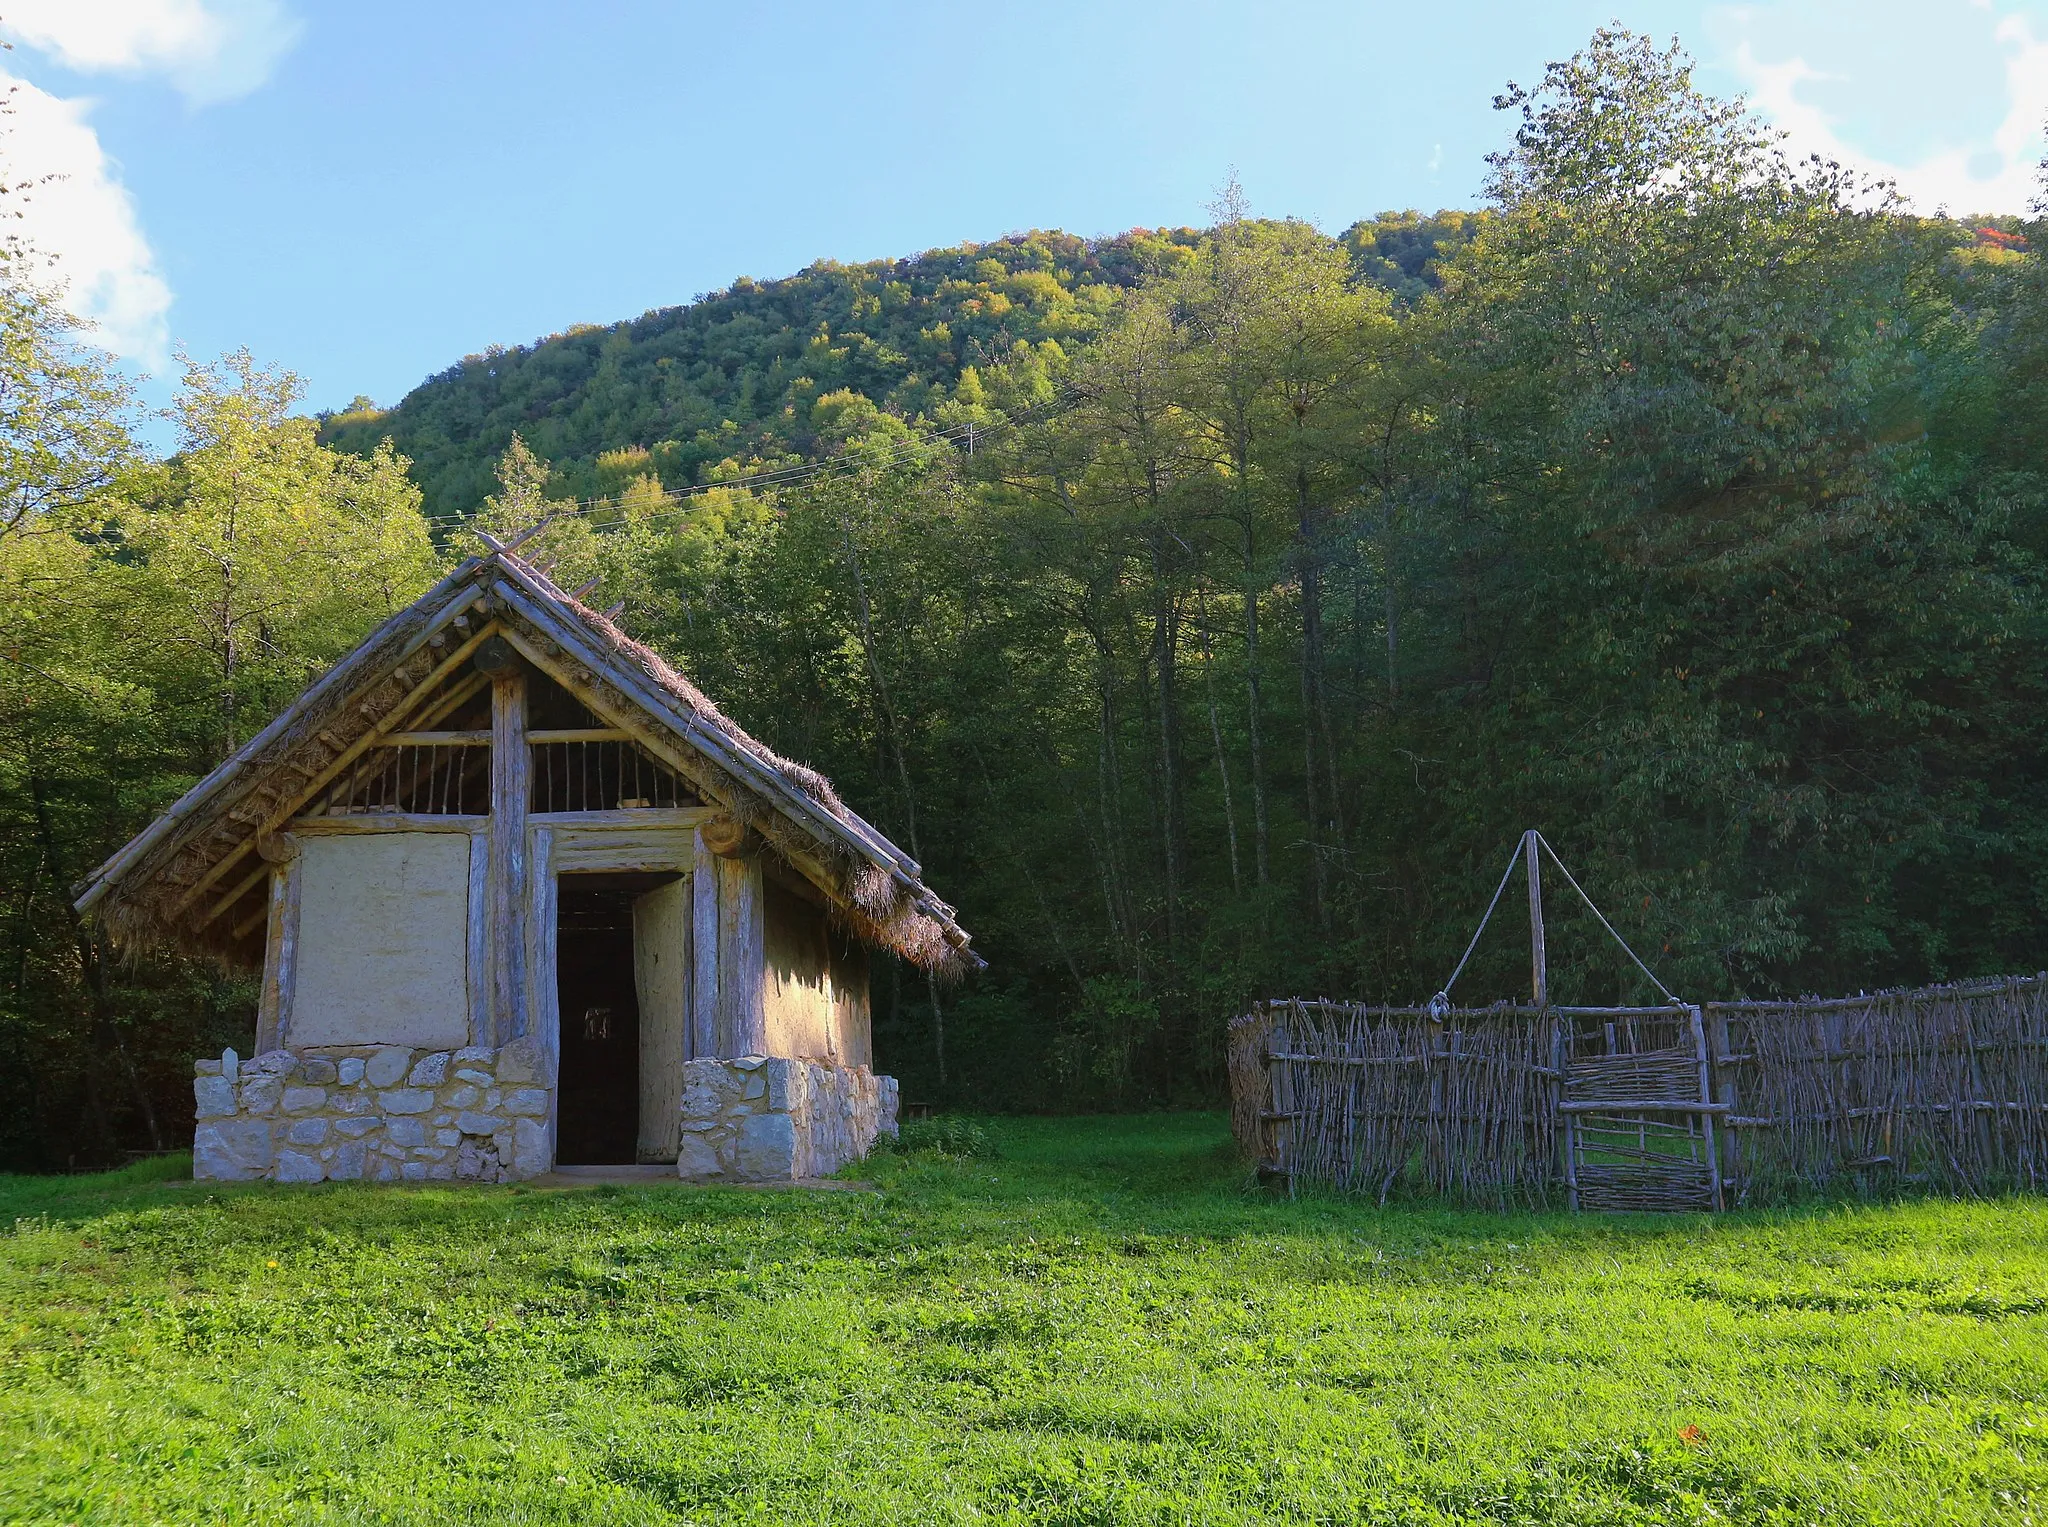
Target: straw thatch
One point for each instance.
(193, 877)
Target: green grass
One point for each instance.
(1099, 1324)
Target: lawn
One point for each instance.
(1101, 1324)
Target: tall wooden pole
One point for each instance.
(1539, 968)
(507, 866)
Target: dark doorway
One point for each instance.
(598, 1104)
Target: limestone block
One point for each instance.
(697, 1158)
(531, 1101)
(748, 1062)
(230, 1064)
(476, 1055)
(405, 1131)
(297, 1166)
(441, 1171)
(406, 1100)
(431, 1071)
(460, 1096)
(530, 1147)
(784, 1078)
(444, 1117)
(472, 1123)
(472, 1075)
(501, 1143)
(354, 1129)
(318, 1071)
(349, 1102)
(383, 1169)
(233, 1151)
(386, 1067)
(347, 1165)
(394, 1151)
(349, 1070)
(213, 1097)
(303, 1099)
(706, 1086)
(260, 1094)
(756, 1088)
(206, 1068)
(766, 1149)
(269, 1063)
(311, 1131)
(413, 1171)
(524, 1060)
(448, 1137)
(493, 1096)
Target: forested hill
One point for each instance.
(734, 375)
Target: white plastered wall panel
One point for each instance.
(383, 953)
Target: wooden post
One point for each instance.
(280, 956)
(704, 954)
(509, 767)
(742, 959)
(1699, 1040)
(1723, 1077)
(1539, 966)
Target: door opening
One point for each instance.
(598, 1104)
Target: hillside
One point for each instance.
(734, 374)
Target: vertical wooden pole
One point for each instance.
(1711, 1145)
(1539, 966)
(1723, 1077)
(742, 958)
(509, 766)
(704, 954)
(280, 957)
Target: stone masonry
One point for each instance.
(379, 1112)
(766, 1119)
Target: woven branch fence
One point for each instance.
(1943, 1088)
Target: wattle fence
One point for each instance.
(1678, 1107)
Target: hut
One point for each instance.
(523, 897)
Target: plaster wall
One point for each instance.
(814, 991)
(383, 948)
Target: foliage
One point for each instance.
(1207, 611)
(147, 633)
(1105, 1325)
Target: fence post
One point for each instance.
(1725, 1092)
(1708, 1138)
(1281, 1096)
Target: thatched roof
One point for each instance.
(196, 878)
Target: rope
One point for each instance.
(1604, 922)
(1441, 1002)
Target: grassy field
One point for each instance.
(1100, 1325)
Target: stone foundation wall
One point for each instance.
(766, 1119)
(380, 1112)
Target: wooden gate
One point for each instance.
(1637, 1113)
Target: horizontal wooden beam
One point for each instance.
(438, 740)
(627, 816)
(1646, 1105)
(580, 734)
(389, 821)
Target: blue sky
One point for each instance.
(365, 192)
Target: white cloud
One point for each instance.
(212, 50)
(80, 215)
(76, 211)
(1998, 176)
